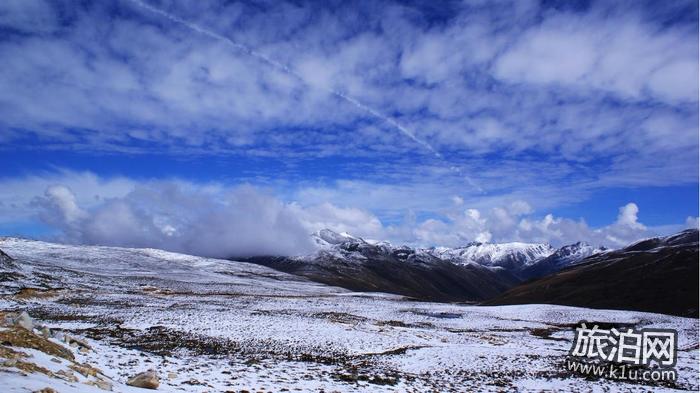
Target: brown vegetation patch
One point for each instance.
(29, 367)
(9, 353)
(395, 323)
(339, 317)
(37, 293)
(20, 337)
(85, 369)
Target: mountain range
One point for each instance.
(475, 272)
(658, 274)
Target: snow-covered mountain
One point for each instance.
(473, 272)
(562, 258)
(510, 256)
(326, 238)
(361, 265)
(654, 275)
(506, 255)
(513, 257)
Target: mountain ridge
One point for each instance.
(474, 272)
(654, 275)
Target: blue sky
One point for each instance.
(145, 123)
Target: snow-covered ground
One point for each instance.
(214, 325)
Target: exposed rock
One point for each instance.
(66, 376)
(76, 342)
(8, 353)
(172, 375)
(9, 363)
(194, 382)
(45, 332)
(85, 369)
(25, 321)
(7, 318)
(45, 390)
(147, 380)
(102, 384)
(6, 261)
(29, 367)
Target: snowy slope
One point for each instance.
(215, 325)
(107, 263)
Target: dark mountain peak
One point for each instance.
(6, 261)
(562, 258)
(683, 238)
(578, 248)
(4, 257)
(655, 275)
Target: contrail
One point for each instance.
(284, 68)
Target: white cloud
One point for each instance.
(628, 217)
(533, 107)
(61, 199)
(241, 221)
(19, 192)
(519, 208)
(503, 225)
(338, 219)
(189, 93)
(28, 15)
(616, 54)
(216, 219)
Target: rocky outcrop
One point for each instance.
(20, 337)
(19, 330)
(6, 260)
(25, 321)
(147, 380)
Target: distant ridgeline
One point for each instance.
(656, 275)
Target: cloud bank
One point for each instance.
(241, 221)
(245, 221)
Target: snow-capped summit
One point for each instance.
(562, 258)
(327, 237)
(516, 260)
(513, 255)
(577, 251)
(368, 265)
(510, 256)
